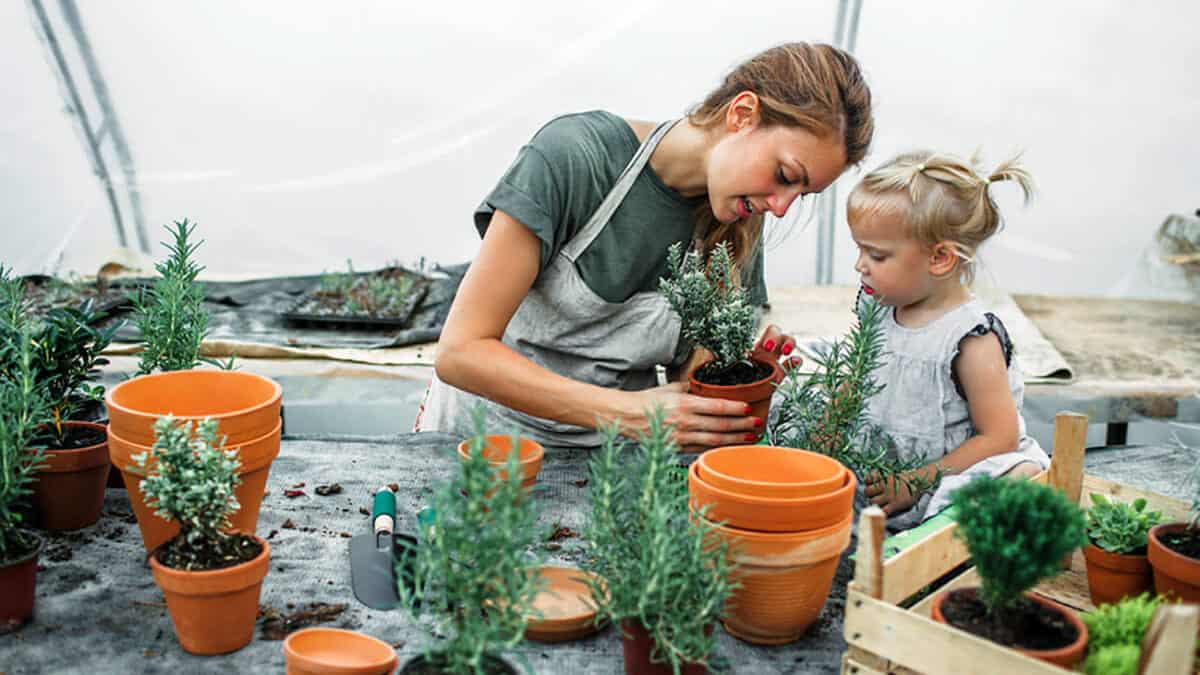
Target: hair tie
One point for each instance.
(920, 167)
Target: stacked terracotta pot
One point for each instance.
(786, 516)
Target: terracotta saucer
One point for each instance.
(568, 611)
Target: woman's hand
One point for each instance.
(699, 422)
(775, 345)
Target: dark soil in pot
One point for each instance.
(235, 549)
(77, 437)
(1029, 625)
(1185, 543)
(741, 372)
(419, 665)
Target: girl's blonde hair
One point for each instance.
(816, 87)
(941, 198)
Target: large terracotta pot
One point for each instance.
(1175, 575)
(69, 492)
(1112, 577)
(770, 471)
(18, 581)
(637, 646)
(757, 394)
(244, 405)
(255, 456)
(784, 579)
(768, 514)
(213, 611)
(499, 447)
(324, 651)
(1063, 656)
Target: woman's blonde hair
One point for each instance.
(816, 87)
(941, 198)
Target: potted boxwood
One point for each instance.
(1115, 634)
(715, 316)
(1116, 552)
(474, 575)
(1173, 550)
(1017, 532)
(22, 410)
(211, 577)
(664, 576)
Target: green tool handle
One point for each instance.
(383, 513)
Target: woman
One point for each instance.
(558, 323)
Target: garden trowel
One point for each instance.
(373, 556)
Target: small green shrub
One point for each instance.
(1118, 527)
(1114, 660)
(474, 572)
(659, 566)
(711, 303)
(171, 314)
(1122, 623)
(1017, 532)
(22, 411)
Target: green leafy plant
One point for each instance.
(475, 573)
(1017, 532)
(1115, 634)
(826, 411)
(1118, 527)
(192, 482)
(711, 304)
(338, 283)
(659, 565)
(1114, 660)
(22, 411)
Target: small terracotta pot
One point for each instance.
(637, 646)
(497, 450)
(784, 579)
(244, 405)
(213, 611)
(255, 456)
(1112, 577)
(330, 651)
(18, 579)
(767, 514)
(1175, 575)
(1063, 656)
(69, 492)
(757, 394)
(770, 471)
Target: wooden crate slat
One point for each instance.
(1167, 648)
(970, 577)
(1172, 509)
(912, 569)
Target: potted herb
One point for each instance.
(1115, 634)
(211, 577)
(664, 574)
(1017, 532)
(1116, 552)
(1173, 550)
(715, 316)
(474, 574)
(244, 406)
(22, 411)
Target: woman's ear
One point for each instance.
(742, 112)
(942, 259)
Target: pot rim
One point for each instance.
(111, 394)
(177, 574)
(836, 479)
(850, 484)
(117, 452)
(76, 459)
(1129, 563)
(776, 370)
(32, 555)
(539, 451)
(1078, 644)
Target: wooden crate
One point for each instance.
(884, 637)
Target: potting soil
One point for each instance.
(1029, 625)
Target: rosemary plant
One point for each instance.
(1118, 527)
(711, 304)
(192, 482)
(827, 411)
(22, 411)
(171, 314)
(659, 565)
(475, 573)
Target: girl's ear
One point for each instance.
(942, 259)
(742, 111)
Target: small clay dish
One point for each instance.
(568, 611)
(330, 651)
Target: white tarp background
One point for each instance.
(300, 134)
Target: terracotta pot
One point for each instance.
(18, 579)
(757, 394)
(1063, 656)
(497, 450)
(213, 611)
(1112, 577)
(245, 406)
(491, 664)
(767, 514)
(336, 651)
(1175, 575)
(256, 457)
(637, 646)
(69, 492)
(769, 471)
(785, 579)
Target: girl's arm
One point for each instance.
(471, 356)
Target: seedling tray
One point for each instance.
(107, 302)
(303, 312)
(888, 627)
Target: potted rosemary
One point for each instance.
(211, 576)
(22, 411)
(1173, 550)
(474, 576)
(1116, 552)
(1017, 532)
(715, 316)
(663, 573)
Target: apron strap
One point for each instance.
(582, 239)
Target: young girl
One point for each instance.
(952, 391)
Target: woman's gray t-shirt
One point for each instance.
(559, 179)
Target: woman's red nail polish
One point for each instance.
(752, 437)
(749, 409)
(758, 421)
(787, 349)
(769, 345)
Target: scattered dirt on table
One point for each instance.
(331, 489)
(394, 487)
(59, 553)
(582, 482)
(297, 486)
(561, 532)
(288, 524)
(276, 625)
(292, 494)
(272, 534)
(363, 510)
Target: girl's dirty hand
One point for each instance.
(892, 495)
(774, 345)
(699, 422)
